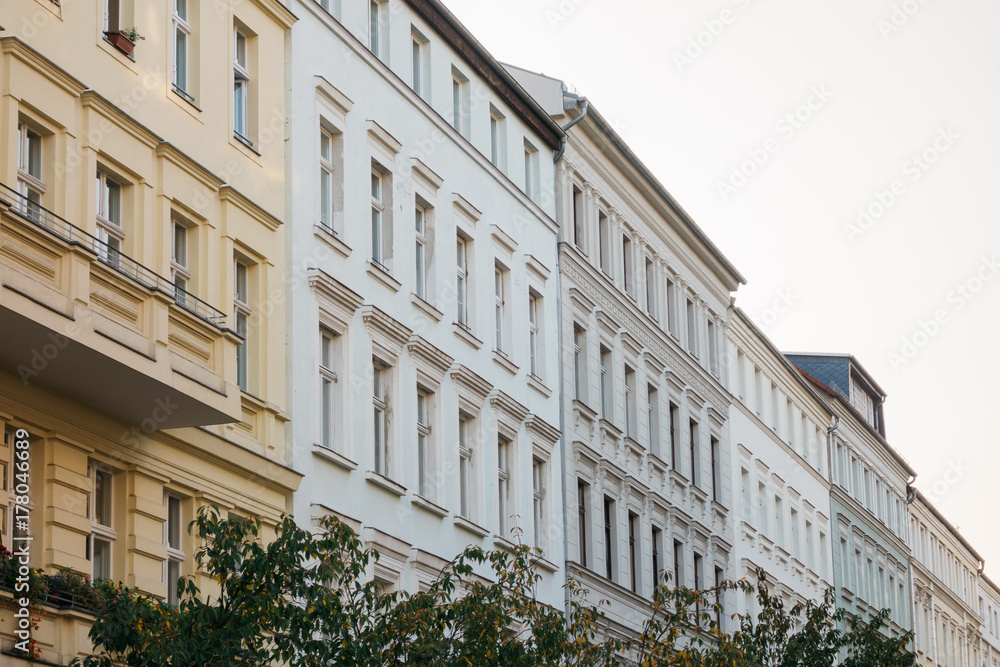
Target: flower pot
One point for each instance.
(120, 42)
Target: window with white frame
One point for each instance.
(630, 402)
(579, 219)
(102, 532)
(378, 29)
(328, 356)
(579, 362)
(713, 349)
(424, 443)
(29, 169)
(604, 238)
(180, 272)
(332, 7)
(531, 176)
(694, 432)
(380, 410)
(326, 183)
(498, 138)
(420, 53)
(606, 390)
(653, 418)
(181, 24)
(466, 475)
(462, 280)
(109, 218)
(538, 484)
(241, 85)
(504, 501)
(420, 251)
(113, 15)
(675, 436)
(381, 206)
(241, 319)
(173, 532)
(692, 329)
(628, 272)
(460, 102)
(651, 289)
(501, 277)
(534, 334)
(672, 323)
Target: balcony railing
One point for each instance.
(123, 264)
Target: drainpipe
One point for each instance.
(584, 106)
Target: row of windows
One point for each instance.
(654, 412)
(612, 543)
(942, 561)
(869, 488)
(432, 463)
(873, 575)
(792, 525)
(663, 294)
(949, 638)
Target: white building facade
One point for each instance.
(989, 611)
(948, 610)
(781, 487)
(423, 320)
(645, 408)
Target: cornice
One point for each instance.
(387, 329)
(277, 11)
(172, 154)
(542, 429)
(228, 193)
(420, 348)
(14, 46)
(93, 99)
(464, 377)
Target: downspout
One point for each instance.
(582, 102)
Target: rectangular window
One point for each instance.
(609, 534)
(420, 251)
(633, 551)
(378, 212)
(790, 420)
(500, 306)
(380, 411)
(716, 470)
(466, 483)
(109, 218)
(692, 329)
(102, 531)
(653, 418)
(328, 384)
(775, 410)
(627, 269)
(241, 87)
(606, 393)
(462, 281)
(579, 219)
(604, 236)
(672, 309)
(112, 15)
(241, 317)
(531, 175)
(582, 518)
(745, 498)
(794, 547)
(758, 391)
(378, 40)
(503, 483)
(719, 598)
(326, 175)
(534, 360)
(182, 34)
(579, 362)
(173, 531)
(180, 274)
(460, 102)
(762, 508)
(695, 437)
(696, 566)
(29, 170)
(713, 349)
(630, 402)
(779, 521)
(420, 54)
(741, 374)
(675, 437)
(657, 540)
(678, 563)
(498, 138)
(538, 498)
(651, 288)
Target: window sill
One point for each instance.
(332, 240)
(501, 359)
(545, 564)
(426, 308)
(385, 483)
(610, 428)
(428, 506)
(183, 94)
(334, 457)
(246, 143)
(470, 527)
(536, 383)
(382, 276)
(463, 332)
(501, 542)
(581, 409)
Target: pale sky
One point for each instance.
(905, 122)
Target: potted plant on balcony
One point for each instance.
(124, 40)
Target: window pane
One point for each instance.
(102, 559)
(180, 59)
(102, 498)
(174, 523)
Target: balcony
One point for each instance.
(84, 320)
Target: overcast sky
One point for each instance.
(894, 110)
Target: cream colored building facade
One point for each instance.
(142, 264)
(948, 610)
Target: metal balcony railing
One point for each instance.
(123, 264)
